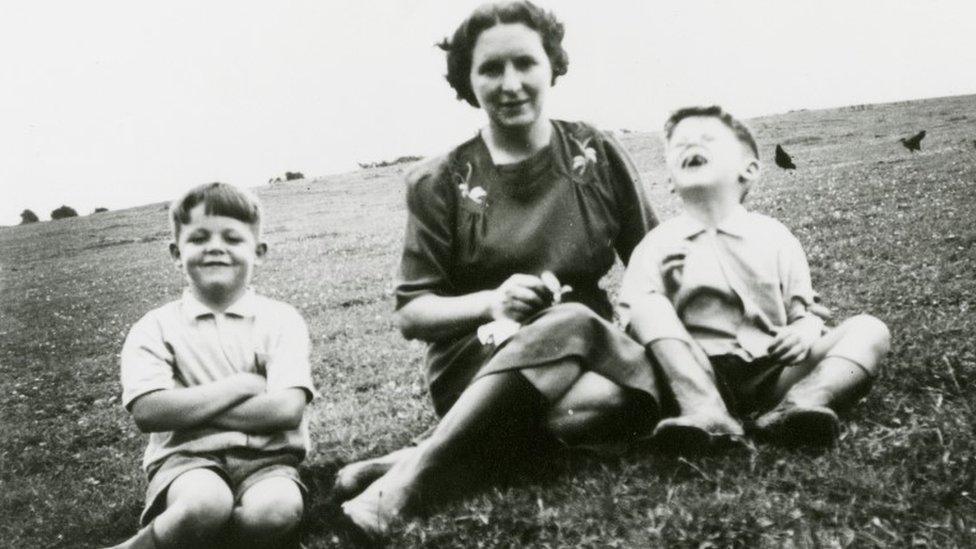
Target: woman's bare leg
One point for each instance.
(491, 406)
(355, 477)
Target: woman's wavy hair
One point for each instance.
(460, 46)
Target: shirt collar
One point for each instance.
(736, 224)
(244, 307)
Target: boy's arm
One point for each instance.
(798, 294)
(184, 408)
(792, 343)
(155, 395)
(265, 413)
(645, 310)
(289, 383)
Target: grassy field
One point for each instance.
(886, 231)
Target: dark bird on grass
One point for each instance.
(783, 160)
(913, 143)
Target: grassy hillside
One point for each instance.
(886, 231)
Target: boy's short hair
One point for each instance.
(460, 46)
(741, 131)
(218, 199)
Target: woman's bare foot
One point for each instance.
(381, 505)
(355, 477)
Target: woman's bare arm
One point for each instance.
(432, 317)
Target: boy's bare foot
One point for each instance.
(793, 425)
(698, 434)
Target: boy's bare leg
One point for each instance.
(491, 406)
(198, 509)
(269, 512)
(355, 477)
(837, 372)
(597, 412)
(702, 417)
(144, 539)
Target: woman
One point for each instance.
(491, 227)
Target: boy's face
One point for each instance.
(217, 254)
(705, 153)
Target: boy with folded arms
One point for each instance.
(220, 379)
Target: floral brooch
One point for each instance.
(586, 156)
(478, 195)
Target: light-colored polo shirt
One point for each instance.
(183, 344)
(736, 285)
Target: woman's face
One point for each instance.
(510, 75)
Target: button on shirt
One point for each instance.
(184, 343)
(736, 283)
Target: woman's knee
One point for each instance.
(271, 507)
(575, 312)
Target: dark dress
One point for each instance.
(567, 209)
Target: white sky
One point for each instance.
(121, 103)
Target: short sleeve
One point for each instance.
(146, 361)
(795, 273)
(288, 361)
(428, 239)
(633, 208)
(641, 278)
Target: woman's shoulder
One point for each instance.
(580, 130)
(438, 172)
(586, 140)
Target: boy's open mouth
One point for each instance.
(694, 161)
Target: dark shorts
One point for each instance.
(241, 468)
(746, 387)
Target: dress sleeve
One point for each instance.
(146, 362)
(633, 208)
(427, 244)
(288, 366)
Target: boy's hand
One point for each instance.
(672, 267)
(793, 342)
(251, 384)
(520, 297)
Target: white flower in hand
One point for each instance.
(478, 195)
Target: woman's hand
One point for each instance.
(520, 297)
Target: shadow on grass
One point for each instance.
(540, 465)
